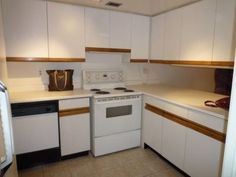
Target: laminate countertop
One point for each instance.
(189, 98)
(33, 96)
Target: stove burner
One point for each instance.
(102, 92)
(120, 88)
(128, 90)
(95, 90)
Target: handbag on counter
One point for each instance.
(221, 103)
(60, 80)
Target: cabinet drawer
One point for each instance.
(155, 102)
(73, 103)
(213, 122)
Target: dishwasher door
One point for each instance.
(35, 132)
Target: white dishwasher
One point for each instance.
(36, 133)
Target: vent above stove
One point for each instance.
(113, 4)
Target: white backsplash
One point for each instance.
(33, 76)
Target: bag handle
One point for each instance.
(210, 103)
(57, 78)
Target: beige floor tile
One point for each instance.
(32, 172)
(136, 162)
(114, 172)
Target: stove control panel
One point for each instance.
(99, 77)
(118, 98)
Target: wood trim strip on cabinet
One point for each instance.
(29, 59)
(114, 50)
(138, 60)
(186, 62)
(187, 123)
(74, 111)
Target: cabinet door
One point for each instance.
(25, 23)
(157, 37)
(224, 45)
(140, 37)
(97, 27)
(74, 134)
(198, 31)
(173, 142)
(120, 30)
(66, 31)
(203, 155)
(172, 35)
(152, 130)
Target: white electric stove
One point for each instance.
(116, 112)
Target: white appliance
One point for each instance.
(5, 131)
(116, 112)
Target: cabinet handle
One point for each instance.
(187, 123)
(74, 111)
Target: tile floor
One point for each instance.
(136, 162)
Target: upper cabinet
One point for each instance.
(157, 37)
(198, 31)
(172, 27)
(25, 26)
(66, 31)
(97, 31)
(224, 43)
(120, 30)
(140, 37)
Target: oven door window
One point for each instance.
(118, 111)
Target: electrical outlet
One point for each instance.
(145, 71)
(40, 72)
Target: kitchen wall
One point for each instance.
(32, 76)
(2, 50)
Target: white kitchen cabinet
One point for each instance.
(66, 31)
(173, 142)
(152, 130)
(97, 28)
(120, 30)
(198, 31)
(25, 27)
(75, 127)
(203, 155)
(173, 22)
(224, 44)
(140, 37)
(157, 37)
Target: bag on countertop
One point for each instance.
(221, 103)
(60, 80)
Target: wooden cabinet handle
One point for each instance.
(74, 111)
(187, 123)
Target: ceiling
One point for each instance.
(145, 7)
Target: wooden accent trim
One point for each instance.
(222, 63)
(138, 60)
(187, 123)
(29, 59)
(74, 111)
(186, 62)
(114, 50)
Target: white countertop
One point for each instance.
(32, 96)
(189, 98)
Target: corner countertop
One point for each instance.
(189, 98)
(33, 96)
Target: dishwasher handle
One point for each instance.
(34, 108)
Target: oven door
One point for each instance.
(116, 114)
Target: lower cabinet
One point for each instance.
(203, 155)
(173, 143)
(152, 127)
(74, 126)
(170, 132)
